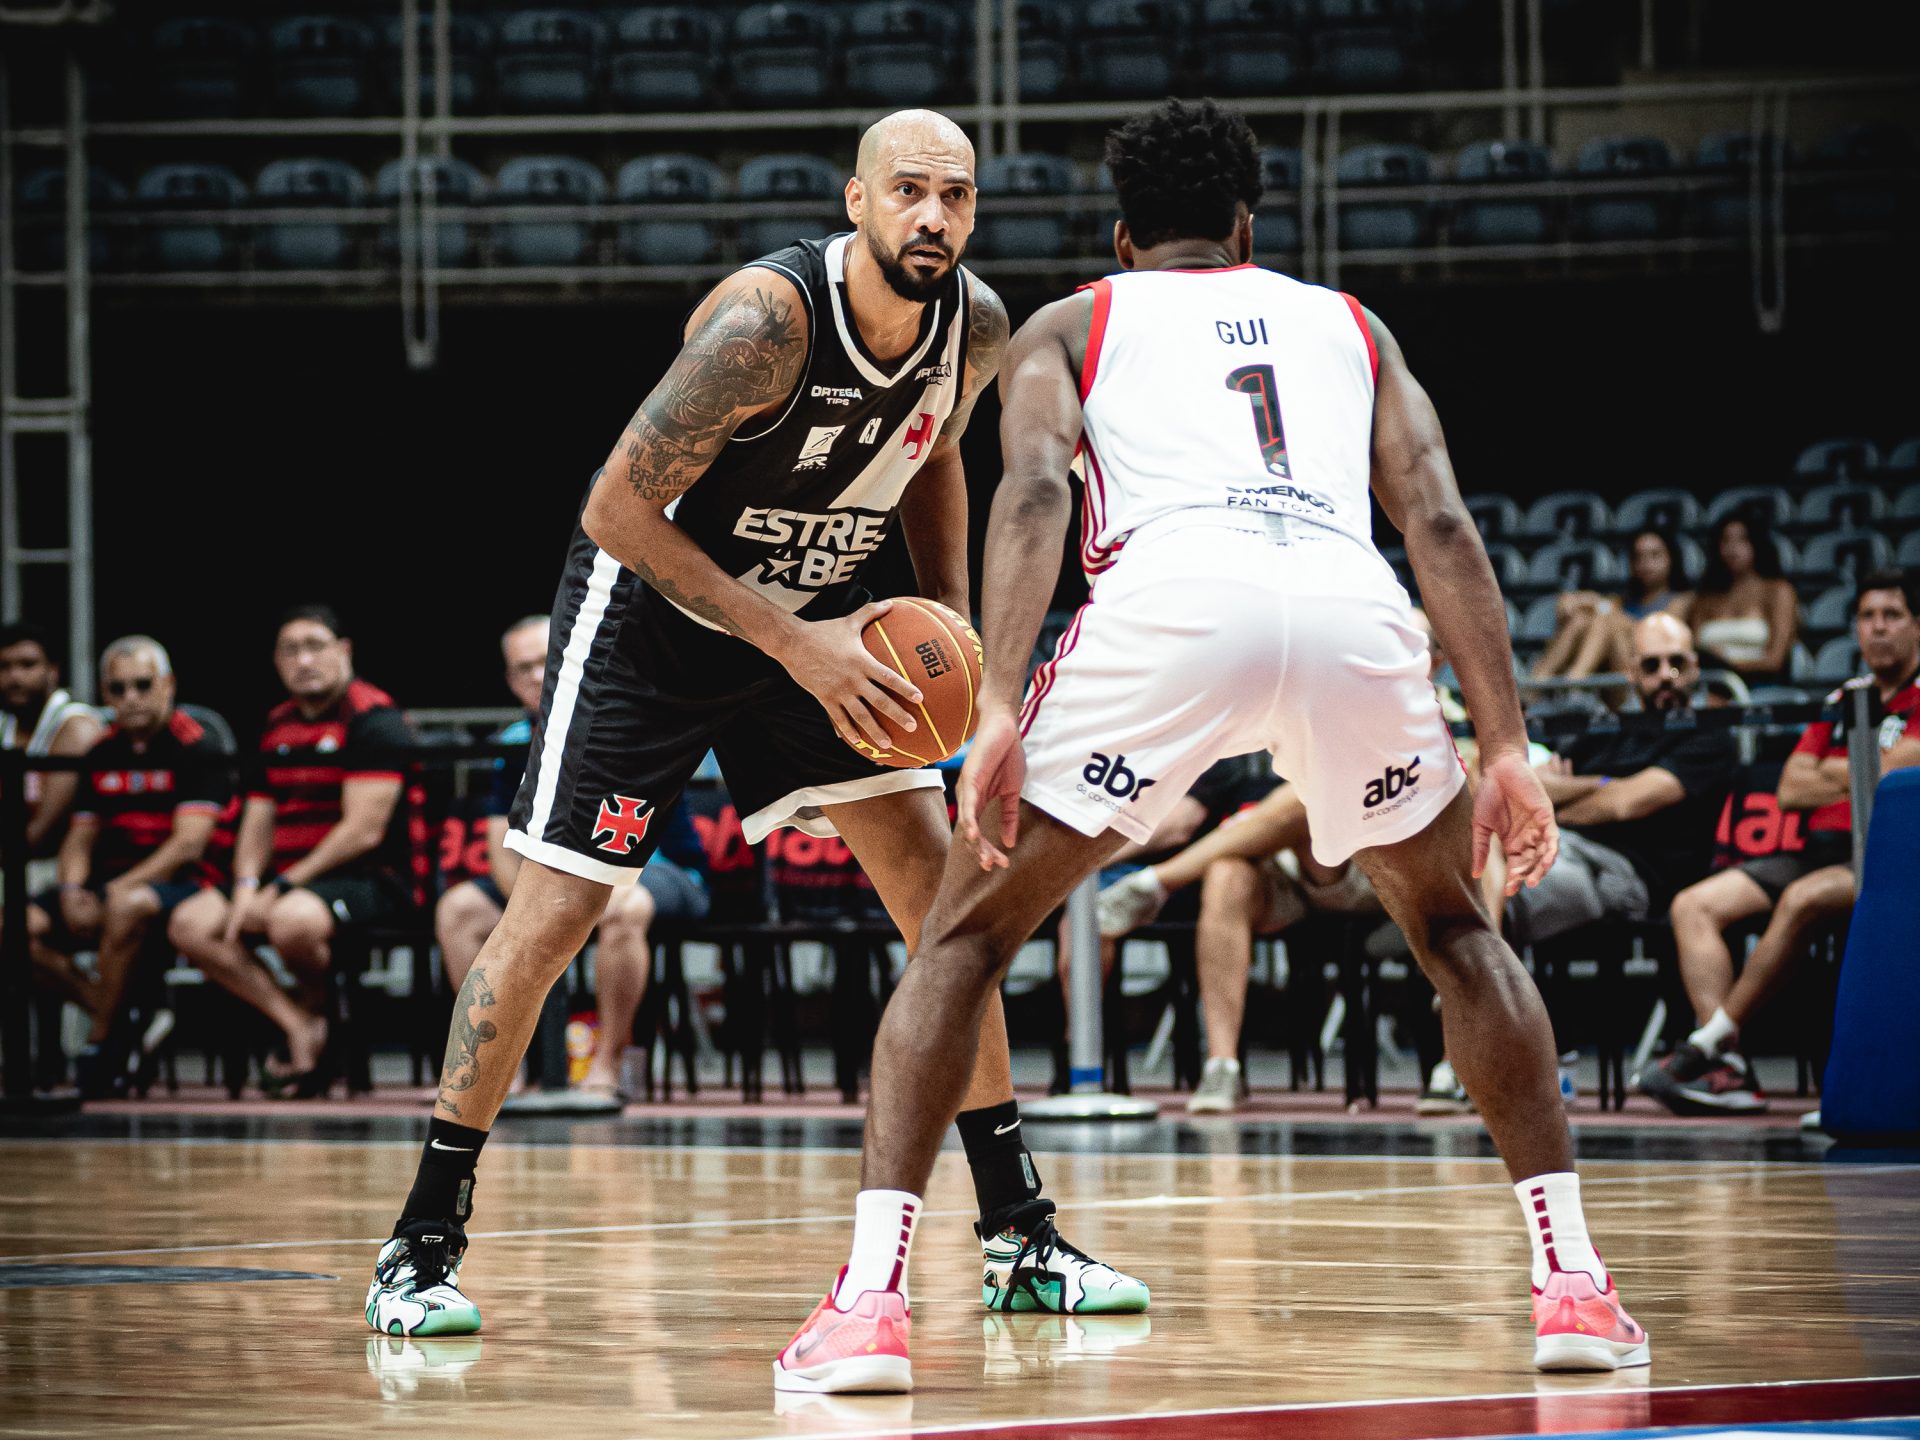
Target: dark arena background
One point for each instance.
(352, 302)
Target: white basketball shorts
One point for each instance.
(1212, 637)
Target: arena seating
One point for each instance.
(200, 245)
(1626, 215)
(1501, 222)
(455, 186)
(320, 65)
(306, 244)
(1024, 235)
(548, 61)
(663, 57)
(469, 69)
(897, 52)
(1384, 225)
(670, 179)
(546, 180)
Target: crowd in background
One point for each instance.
(172, 841)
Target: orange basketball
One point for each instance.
(938, 651)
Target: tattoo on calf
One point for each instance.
(461, 1070)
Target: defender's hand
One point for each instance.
(1511, 804)
(828, 661)
(989, 788)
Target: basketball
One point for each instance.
(940, 654)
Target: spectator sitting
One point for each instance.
(1707, 1075)
(670, 886)
(136, 848)
(318, 846)
(37, 716)
(1594, 634)
(1745, 617)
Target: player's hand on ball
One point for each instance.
(830, 663)
(989, 790)
(1513, 805)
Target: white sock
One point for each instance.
(883, 1222)
(1151, 879)
(1719, 1033)
(1557, 1227)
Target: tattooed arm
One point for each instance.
(933, 512)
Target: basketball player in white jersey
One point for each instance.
(1231, 421)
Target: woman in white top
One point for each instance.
(1744, 615)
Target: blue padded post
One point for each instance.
(1872, 1088)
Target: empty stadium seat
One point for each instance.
(663, 57)
(195, 245)
(1628, 215)
(1130, 49)
(546, 180)
(1541, 620)
(1513, 616)
(1501, 222)
(320, 65)
(1497, 516)
(454, 185)
(1780, 695)
(308, 184)
(1880, 194)
(783, 54)
(1836, 661)
(669, 179)
(1032, 235)
(1831, 612)
(1383, 225)
(1845, 555)
(1250, 46)
(897, 52)
(1669, 510)
(1571, 514)
(1846, 459)
(1770, 504)
(1724, 206)
(1904, 459)
(199, 67)
(1044, 31)
(1509, 566)
(1693, 556)
(1906, 505)
(43, 205)
(1909, 553)
(1358, 46)
(548, 61)
(469, 46)
(805, 201)
(1276, 229)
(1845, 504)
(1573, 565)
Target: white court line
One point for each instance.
(970, 1427)
(841, 1217)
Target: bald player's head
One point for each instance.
(1666, 668)
(912, 197)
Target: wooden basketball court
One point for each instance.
(167, 1274)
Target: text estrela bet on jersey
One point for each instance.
(793, 507)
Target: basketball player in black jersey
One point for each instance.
(712, 598)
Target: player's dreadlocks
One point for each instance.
(1181, 168)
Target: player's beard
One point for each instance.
(904, 282)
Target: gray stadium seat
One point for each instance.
(1723, 208)
(469, 47)
(669, 179)
(548, 61)
(320, 65)
(1904, 459)
(1130, 49)
(1357, 45)
(1044, 30)
(1845, 555)
(199, 67)
(1780, 695)
(1869, 202)
(806, 201)
(194, 246)
(663, 57)
(1496, 516)
(1769, 503)
(1513, 617)
(897, 52)
(1030, 236)
(1693, 557)
(1845, 504)
(307, 184)
(1836, 661)
(1831, 612)
(1671, 510)
(546, 180)
(1846, 459)
(1250, 47)
(1628, 216)
(1541, 620)
(1501, 222)
(1583, 703)
(1509, 568)
(1276, 229)
(1573, 565)
(1906, 505)
(455, 186)
(43, 203)
(783, 54)
(1383, 225)
(1909, 553)
(1571, 514)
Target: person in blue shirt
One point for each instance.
(671, 886)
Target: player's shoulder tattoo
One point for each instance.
(987, 330)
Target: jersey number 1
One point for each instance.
(1256, 382)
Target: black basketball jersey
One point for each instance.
(794, 506)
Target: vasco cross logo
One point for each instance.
(1393, 789)
(623, 820)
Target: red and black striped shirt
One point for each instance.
(136, 796)
(306, 790)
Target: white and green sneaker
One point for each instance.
(1029, 1267)
(416, 1282)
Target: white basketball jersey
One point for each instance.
(1237, 389)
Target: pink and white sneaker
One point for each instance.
(1579, 1328)
(862, 1350)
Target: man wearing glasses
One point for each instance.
(147, 823)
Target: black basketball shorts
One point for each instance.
(636, 693)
